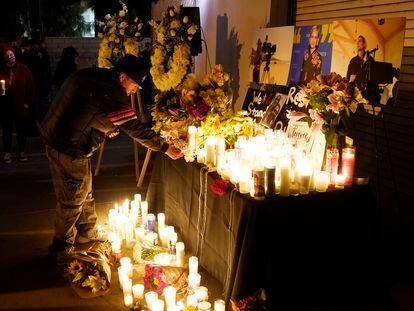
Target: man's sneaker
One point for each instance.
(22, 157)
(7, 158)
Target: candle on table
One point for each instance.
(122, 276)
(220, 146)
(348, 164)
(204, 306)
(193, 265)
(244, 185)
(158, 305)
(170, 295)
(138, 291)
(125, 261)
(144, 211)
(201, 155)
(194, 280)
(259, 182)
(305, 173)
(339, 181)
(150, 298)
(180, 253)
(219, 305)
(137, 197)
(128, 300)
(127, 287)
(270, 176)
(211, 151)
(201, 293)
(136, 252)
(192, 131)
(161, 220)
(173, 240)
(332, 159)
(321, 181)
(192, 300)
(140, 234)
(151, 222)
(3, 87)
(284, 177)
(129, 235)
(152, 238)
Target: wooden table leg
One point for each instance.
(98, 162)
(144, 167)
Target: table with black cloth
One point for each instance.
(300, 249)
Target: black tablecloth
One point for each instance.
(310, 247)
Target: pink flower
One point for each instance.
(295, 115)
(219, 187)
(316, 126)
(334, 99)
(174, 112)
(316, 115)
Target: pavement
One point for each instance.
(28, 279)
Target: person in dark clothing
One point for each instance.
(312, 60)
(358, 66)
(65, 66)
(91, 103)
(15, 105)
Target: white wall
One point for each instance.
(228, 27)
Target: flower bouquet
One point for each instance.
(158, 277)
(120, 34)
(256, 302)
(89, 272)
(332, 101)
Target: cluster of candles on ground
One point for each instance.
(131, 222)
(270, 163)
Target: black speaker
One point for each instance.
(193, 14)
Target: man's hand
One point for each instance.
(112, 134)
(174, 153)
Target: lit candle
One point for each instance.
(170, 295)
(127, 287)
(211, 151)
(137, 197)
(152, 238)
(128, 300)
(321, 181)
(3, 87)
(136, 252)
(192, 300)
(244, 185)
(168, 232)
(150, 298)
(192, 131)
(219, 305)
(220, 146)
(116, 245)
(138, 291)
(201, 155)
(129, 235)
(193, 265)
(225, 173)
(270, 176)
(201, 293)
(158, 305)
(173, 240)
(140, 234)
(339, 181)
(305, 173)
(284, 177)
(125, 261)
(259, 182)
(179, 253)
(348, 164)
(122, 275)
(144, 211)
(204, 306)
(332, 159)
(194, 280)
(161, 220)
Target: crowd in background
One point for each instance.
(29, 89)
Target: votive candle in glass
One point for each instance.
(211, 151)
(219, 305)
(128, 300)
(339, 181)
(331, 165)
(285, 164)
(348, 164)
(150, 298)
(192, 131)
(321, 181)
(201, 155)
(138, 291)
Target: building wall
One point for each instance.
(228, 28)
(397, 130)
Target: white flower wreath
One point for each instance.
(177, 64)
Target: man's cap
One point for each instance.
(134, 67)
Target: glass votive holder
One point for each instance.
(339, 181)
(219, 305)
(138, 291)
(321, 181)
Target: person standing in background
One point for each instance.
(67, 64)
(312, 59)
(15, 105)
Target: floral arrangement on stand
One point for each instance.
(120, 34)
(183, 100)
(332, 101)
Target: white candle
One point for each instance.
(152, 238)
(284, 177)
(321, 181)
(150, 298)
(219, 305)
(192, 300)
(179, 254)
(201, 293)
(161, 220)
(136, 252)
(140, 234)
(204, 306)
(158, 305)
(3, 87)
(116, 245)
(127, 287)
(220, 146)
(138, 291)
(125, 261)
(137, 197)
(144, 211)
(192, 131)
(170, 295)
(193, 265)
(194, 280)
(211, 151)
(201, 155)
(173, 239)
(339, 181)
(129, 235)
(128, 300)
(122, 275)
(244, 185)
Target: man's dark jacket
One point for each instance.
(80, 115)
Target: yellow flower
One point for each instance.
(172, 13)
(122, 31)
(117, 40)
(185, 19)
(190, 38)
(140, 26)
(100, 35)
(173, 32)
(192, 30)
(122, 13)
(136, 19)
(175, 24)
(77, 277)
(112, 37)
(74, 267)
(137, 34)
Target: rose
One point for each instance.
(219, 187)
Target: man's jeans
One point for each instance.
(75, 211)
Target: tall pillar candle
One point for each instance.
(191, 138)
(179, 254)
(201, 155)
(170, 296)
(284, 177)
(144, 212)
(211, 151)
(161, 220)
(270, 176)
(348, 164)
(193, 265)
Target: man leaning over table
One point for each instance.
(91, 104)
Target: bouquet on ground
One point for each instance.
(332, 101)
(89, 272)
(120, 34)
(158, 277)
